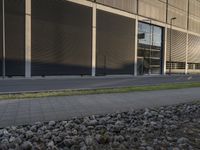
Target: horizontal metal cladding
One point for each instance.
(193, 49)
(61, 38)
(1, 37)
(194, 16)
(178, 46)
(155, 9)
(178, 9)
(126, 5)
(15, 37)
(115, 44)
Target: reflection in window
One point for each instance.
(149, 48)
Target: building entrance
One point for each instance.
(149, 49)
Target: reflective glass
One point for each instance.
(149, 49)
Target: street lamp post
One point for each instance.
(170, 58)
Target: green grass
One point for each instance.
(99, 91)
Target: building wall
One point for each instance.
(67, 40)
(194, 16)
(1, 38)
(178, 9)
(61, 38)
(15, 37)
(153, 9)
(115, 44)
(126, 5)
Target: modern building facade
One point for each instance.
(99, 37)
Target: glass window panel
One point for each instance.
(149, 48)
(155, 62)
(155, 54)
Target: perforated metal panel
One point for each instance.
(194, 49)
(194, 15)
(127, 5)
(15, 37)
(153, 8)
(61, 38)
(1, 38)
(115, 44)
(178, 9)
(178, 44)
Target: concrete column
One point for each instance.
(165, 52)
(136, 46)
(186, 55)
(28, 39)
(94, 39)
(4, 41)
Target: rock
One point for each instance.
(74, 132)
(5, 141)
(149, 148)
(3, 147)
(119, 123)
(18, 140)
(68, 142)
(84, 147)
(153, 123)
(92, 122)
(27, 145)
(50, 144)
(33, 128)
(4, 133)
(13, 128)
(29, 134)
(122, 147)
(115, 145)
(161, 116)
(83, 128)
(89, 140)
(98, 138)
(182, 140)
(75, 147)
(119, 138)
(12, 139)
(38, 124)
(102, 139)
(52, 123)
(119, 116)
(173, 127)
(47, 135)
(57, 139)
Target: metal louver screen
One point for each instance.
(1, 39)
(153, 8)
(194, 49)
(178, 46)
(115, 44)
(15, 37)
(127, 5)
(61, 38)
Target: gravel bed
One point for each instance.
(174, 127)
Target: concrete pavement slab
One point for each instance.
(26, 111)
